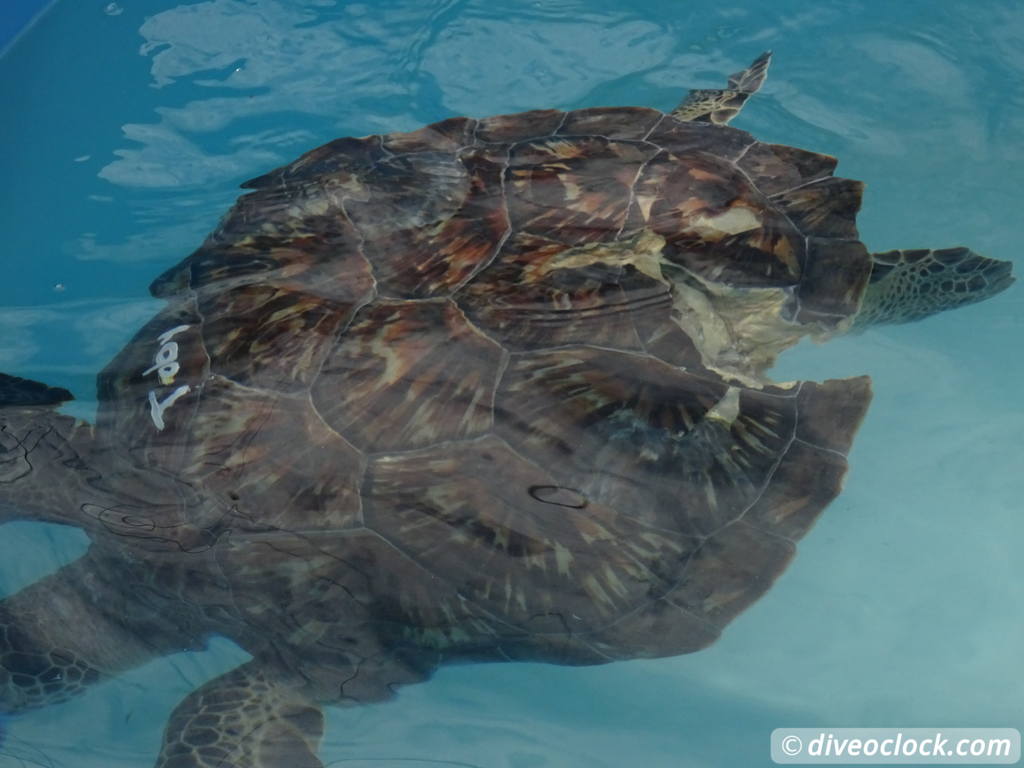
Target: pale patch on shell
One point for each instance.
(732, 222)
(642, 251)
(739, 331)
(726, 409)
(645, 202)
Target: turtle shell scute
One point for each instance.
(453, 374)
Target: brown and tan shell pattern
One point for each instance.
(456, 390)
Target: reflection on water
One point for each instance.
(223, 91)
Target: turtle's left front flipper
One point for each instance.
(910, 285)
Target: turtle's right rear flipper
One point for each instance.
(15, 391)
(39, 464)
(75, 628)
(910, 285)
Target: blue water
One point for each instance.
(18, 15)
(126, 130)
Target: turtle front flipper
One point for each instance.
(910, 285)
(719, 106)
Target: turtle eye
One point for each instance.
(559, 496)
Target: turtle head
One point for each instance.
(910, 285)
(40, 452)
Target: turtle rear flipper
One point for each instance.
(265, 714)
(719, 106)
(246, 717)
(42, 453)
(69, 630)
(912, 284)
(15, 391)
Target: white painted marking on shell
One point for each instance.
(166, 336)
(168, 372)
(157, 407)
(727, 409)
(167, 354)
(166, 366)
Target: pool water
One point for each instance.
(128, 126)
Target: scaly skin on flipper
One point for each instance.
(246, 717)
(39, 664)
(913, 284)
(71, 630)
(267, 713)
(719, 106)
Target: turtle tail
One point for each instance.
(908, 285)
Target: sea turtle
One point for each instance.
(491, 390)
